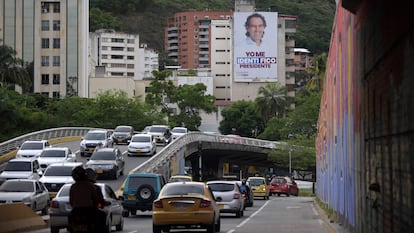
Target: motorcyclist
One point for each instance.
(83, 197)
(100, 214)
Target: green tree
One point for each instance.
(12, 69)
(190, 100)
(240, 118)
(160, 91)
(317, 72)
(272, 101)
(99, 19)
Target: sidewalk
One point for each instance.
(332, 226)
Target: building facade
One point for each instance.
(53, 36)
(187, 37)
(122, 55)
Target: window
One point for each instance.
(117, 40)
(56, 94)
(45, 78)
(56, 78)
(45, 60)
(56, 25)
(131, 41)
(45, 25)
(56, 43)
(45, 7)
(130, 74)
(105, 56)
(56, 61)
(117, 74)
(45, 43)
(117, 56)
(130, 49)
(130, 57)
(104, 47)
(56, 7)
(130, 65)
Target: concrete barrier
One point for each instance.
(17, 217)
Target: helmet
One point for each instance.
(243, 181)
(78, 173)
(90, 174)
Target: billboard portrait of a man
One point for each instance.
(255, 46)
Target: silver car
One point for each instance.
(60, 209)
(31, 192)
(177, 132)
(142, 144)
(231, 198)
(55, 155)
(32, 148)
(21, 168)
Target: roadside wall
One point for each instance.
(365, 170)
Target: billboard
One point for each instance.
(255, 46)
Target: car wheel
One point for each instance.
(45, 210)
(133, 212)
(109, 224)
(238, 214)
(211, 228)
(54, 229)
(218, 225)
(115, 175)
(156, 229)
(122, 172)
(145, 192)
(82, 154)
(125, 213)
(297, 193)
(120, 226)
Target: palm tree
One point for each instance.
(272, 101)
(317, 72)
(12, 69)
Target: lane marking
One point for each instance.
(250, 217)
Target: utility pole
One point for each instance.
(290, 161)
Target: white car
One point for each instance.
(177, 132)
(58, 174)
(21, 168)
(55, 155)
(31, 192)
(31, 148)
(142, 144)
(95, 139)
(161, 133)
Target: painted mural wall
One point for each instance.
(365, 163)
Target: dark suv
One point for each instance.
(122, 134)
(140, 191)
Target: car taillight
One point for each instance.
(54, 204)
(158, 204)
(205, 203)
(236, 196)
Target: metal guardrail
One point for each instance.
(152, 164)
(47, 134)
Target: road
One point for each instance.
(278, 214)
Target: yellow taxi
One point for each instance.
(180, 178)
(259, 186)
(189, 205)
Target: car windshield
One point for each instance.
(17, 186)
(221, 187)
(123, 129)
(95, 136)
(32, 146)
(157, 129)
(278, 180)
(178, 130)
(141, 139)
(103, 155)
(18, 166)
(256, 182)
(52, 153)
(179, 179)
(184, 189)
(64, 192)
(58, 171)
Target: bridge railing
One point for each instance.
(46, 134)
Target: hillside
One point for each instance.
(148, 17)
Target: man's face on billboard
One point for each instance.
(255, 28)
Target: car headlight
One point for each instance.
(82, 143)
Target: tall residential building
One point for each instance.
(53, 35)
(187, 37)
(122, 55)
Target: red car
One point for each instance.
(283, 185)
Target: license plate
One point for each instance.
(52, 195)
(119, 140)
(91, 149)
(138, 151)
(99, 171)
(180, 206)
(131, 197)
(221, 206)
(80, 228)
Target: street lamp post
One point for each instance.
(290, 162)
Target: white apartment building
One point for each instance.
(53, 36)
(122, 55)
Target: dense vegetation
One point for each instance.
(148, 18)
